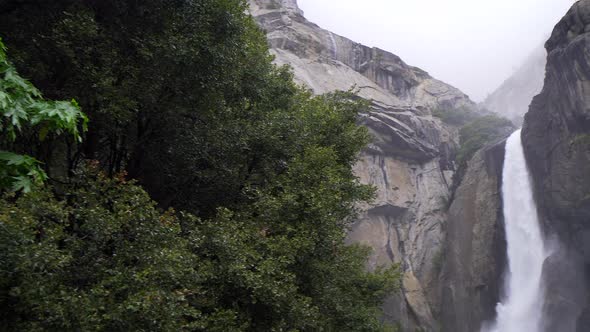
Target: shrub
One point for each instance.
(479, 133)
(101, 257)
(456, 117)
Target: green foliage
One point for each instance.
(20, 172)
(476, 129)
(580, 140)
(480, 132)
(141, 69)
(103, 258)
(184, 97)
(21, 105)
(297, 223)
(456, 117)
(158, 79)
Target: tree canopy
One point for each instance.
(249, 189)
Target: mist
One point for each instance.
(473, 45)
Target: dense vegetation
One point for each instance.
(476, 130)
(480, 132)
(249, 177)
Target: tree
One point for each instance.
(151, 75)
(183, 96)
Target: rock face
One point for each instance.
(475, 253)
(325, 62)
(512, 99)
(556, 138)
(411, 161)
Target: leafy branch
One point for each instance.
(22, 106)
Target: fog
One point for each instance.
(472, 44)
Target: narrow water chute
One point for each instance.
(521, 307)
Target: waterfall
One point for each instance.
(520, 309)
(334, 46)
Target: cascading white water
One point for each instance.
(520, 310)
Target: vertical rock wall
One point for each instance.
(475, 256)
(556, 137)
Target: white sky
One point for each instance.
(472, 44)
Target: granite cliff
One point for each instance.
(475, 255)
(324, 61)
(556, 138)
(411, 162)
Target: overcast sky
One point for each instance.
(472, 44)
